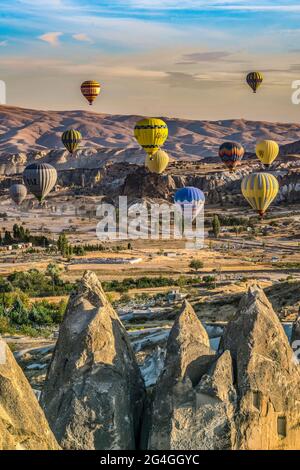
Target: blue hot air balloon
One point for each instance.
(190, 198)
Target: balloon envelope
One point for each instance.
(254, 80)
(267, 151)
(71, 139)
(157, 162)
(190, 198)
(260, 189)
(18, 193)
(231, 154)
(39, 179)
(90, 90)
(151, 134)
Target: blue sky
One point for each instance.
(167, 57)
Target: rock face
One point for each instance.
(267, 379)
(246, 397)
(173, 422)
(296, 329)
(93, 396)
(141, 183)
(23, 425)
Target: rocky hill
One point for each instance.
(29, 134)
(135, 182)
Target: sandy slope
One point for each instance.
(25, 130)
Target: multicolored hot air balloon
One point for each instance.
(151, 134)
(71, 139)
(260, 189)
(90, 90)
(267, 151)
(39, 179)
(254, 80)
(190, 199)
(231, 154)
(157, 162)
(18, 193)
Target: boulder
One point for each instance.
(23, 425)
(93, 395)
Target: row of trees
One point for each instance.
(20, 234)
(41, 313)
(36, 283)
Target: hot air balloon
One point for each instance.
(231, 154)
(90, 90)
(151, 134)
(254, 80)
(39, 179)
(157, 162)
(260, 189)
(18, 193)
(190, 198)
(71, 139)
(267, 151)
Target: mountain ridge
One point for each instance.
(27, 130)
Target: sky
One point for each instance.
(173, 58)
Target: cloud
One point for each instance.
(182, 80)
(206, 56)
(82, 37)
(211, 56)
(197, 5)
(51, 38)
(3, 43)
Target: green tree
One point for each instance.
(196, 264)
(63, 245)
(19, 313)
(216, 226)
(7, 240)
(5, 288)
(53, 271)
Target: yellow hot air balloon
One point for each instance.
(260, 189)
(254, 80)
(151, 134)
(71, 139)
(267, 151)
(158, 162)
(90, 90)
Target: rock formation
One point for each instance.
(246, 397)
(23, 425)
(296, 329)
(188, 357)
(93, 396)
(267, 379)
(141, 183)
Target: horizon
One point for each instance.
(167, 117)
(153, 58)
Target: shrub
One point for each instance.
(4, 325)
(196, 264)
